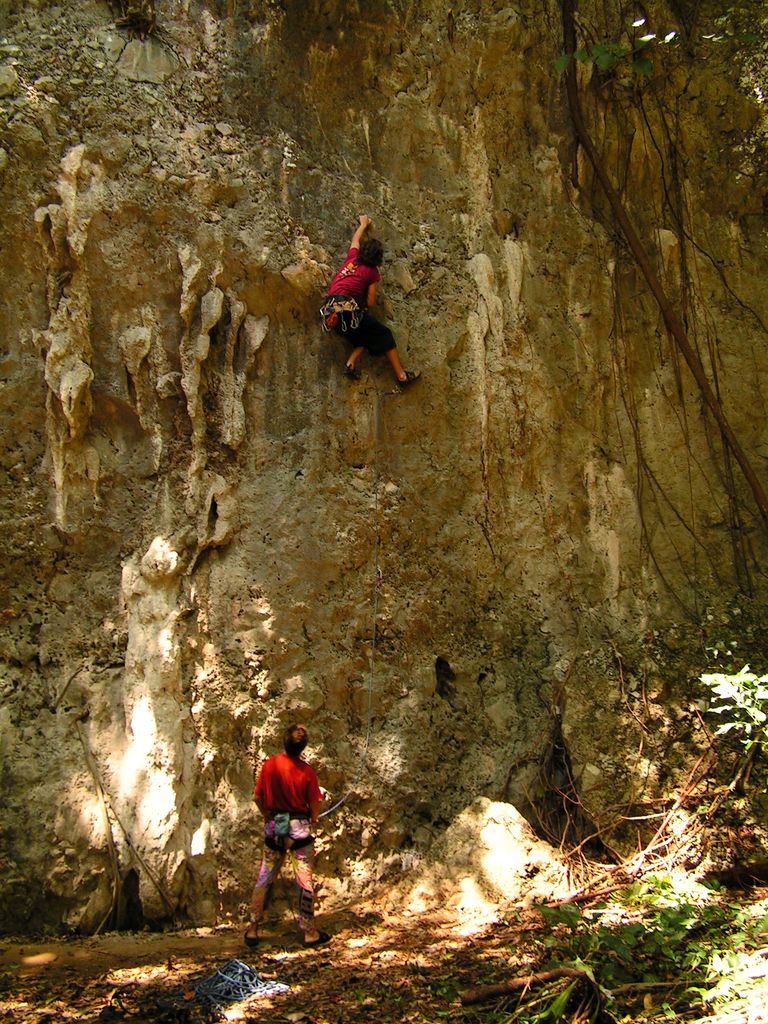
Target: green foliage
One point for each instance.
(726, 27)
(702, 950)
(607, 55)
(654, 938)
(743, 699)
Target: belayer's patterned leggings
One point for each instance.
(271, 863)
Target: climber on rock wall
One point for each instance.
(350, 294)
(288, 795)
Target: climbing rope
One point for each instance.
(234, 982)
(377, 578)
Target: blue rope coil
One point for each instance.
(236, 981)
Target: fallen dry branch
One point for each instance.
(633, 867)
(506, 988)
(588, 895)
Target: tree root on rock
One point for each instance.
(138, 16)
(672, 320)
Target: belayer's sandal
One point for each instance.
(249, 940)
(320, 941)
(352, 373)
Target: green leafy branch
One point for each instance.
(725, 29)
(743, 698)
(606, 55)
(665, 948)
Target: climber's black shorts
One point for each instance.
(371, 333)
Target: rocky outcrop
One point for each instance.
(505, 577)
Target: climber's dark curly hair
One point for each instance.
(371, 252)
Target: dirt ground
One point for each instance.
(376, 968)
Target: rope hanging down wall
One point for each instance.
(381, 396)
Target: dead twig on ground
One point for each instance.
(505, 988)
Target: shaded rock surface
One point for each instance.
(508, 574)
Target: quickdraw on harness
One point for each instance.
(334, 306)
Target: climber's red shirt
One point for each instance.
(354, 279)
(286, 784)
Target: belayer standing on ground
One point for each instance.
(288, 795)
(350, 295)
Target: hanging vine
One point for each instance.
(675, 203)
(676, 319)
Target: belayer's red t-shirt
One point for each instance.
(353, 278)
(286, 784)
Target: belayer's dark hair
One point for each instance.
(371, 252)
(294, 740)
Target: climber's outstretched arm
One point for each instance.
(365, 223)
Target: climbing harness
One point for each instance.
(377, 579)
(332, 309)
(234, 982)
(277, 834)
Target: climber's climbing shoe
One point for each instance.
(411, 376)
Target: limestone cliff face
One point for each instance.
(209, 532)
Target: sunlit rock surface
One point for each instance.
(487, 860)
(200, 514)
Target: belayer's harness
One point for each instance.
(282, 839)
(334, 306)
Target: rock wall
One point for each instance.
(496, 585)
